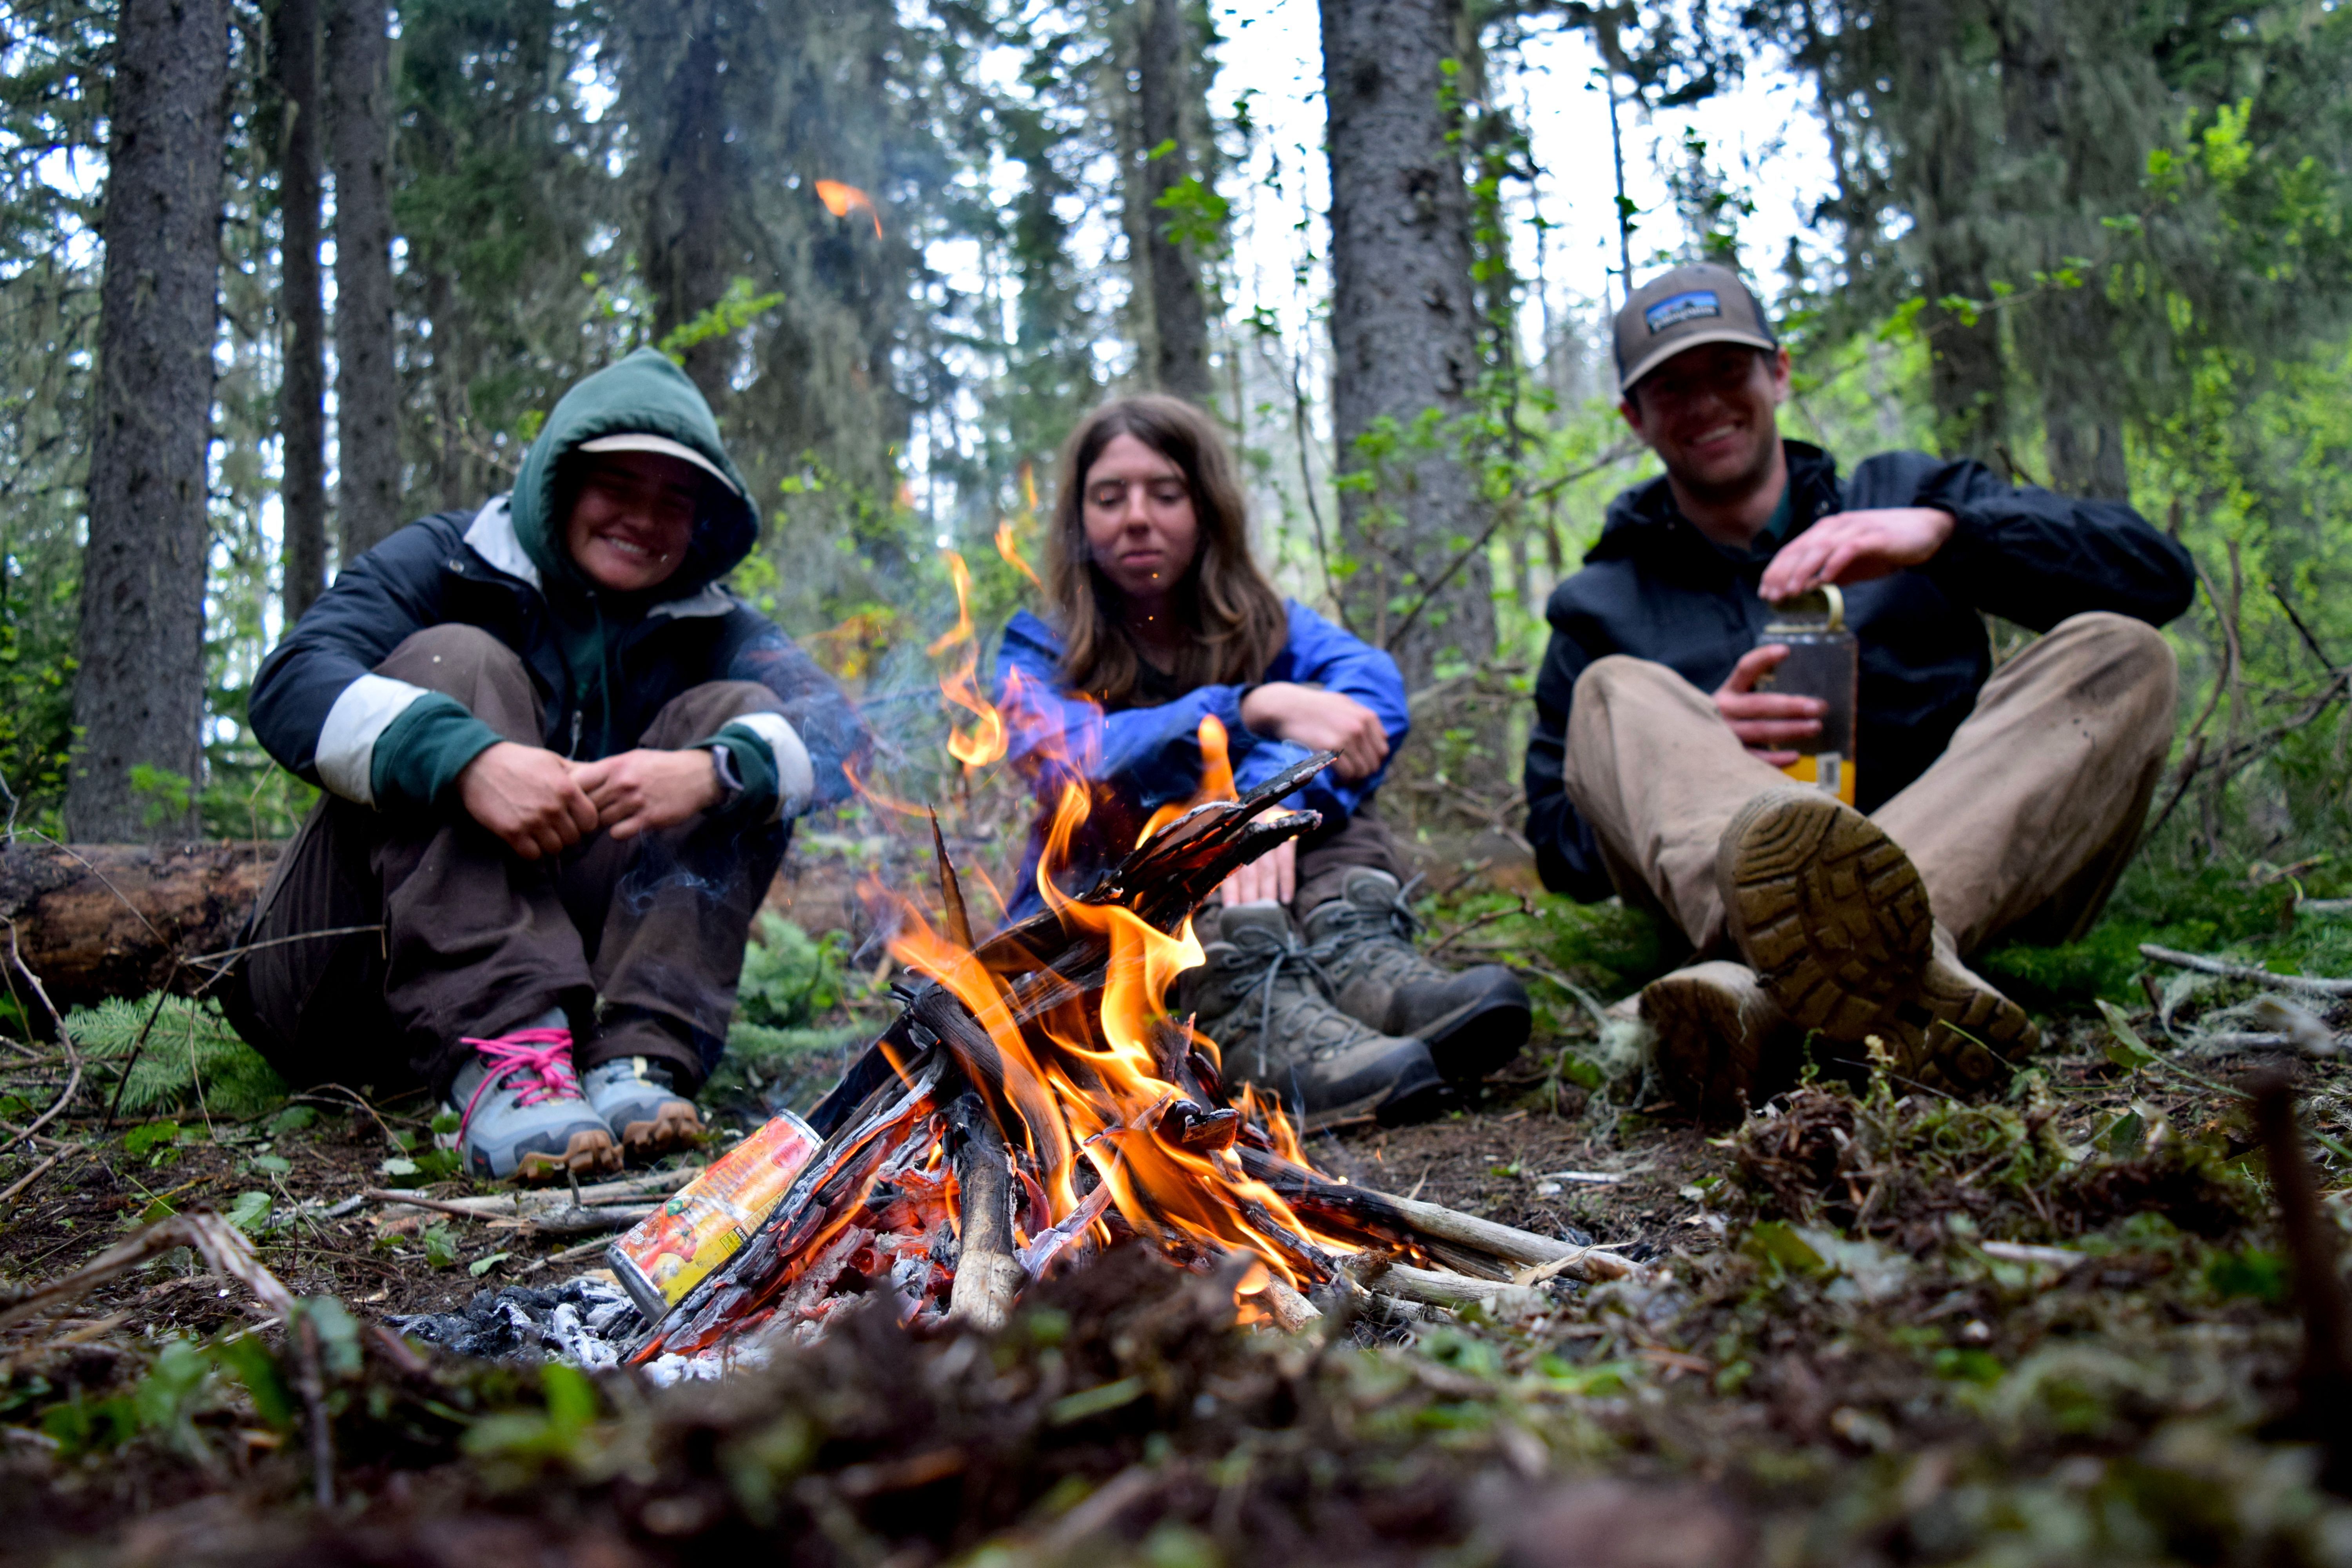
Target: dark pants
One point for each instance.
(640, 943)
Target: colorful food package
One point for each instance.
(707, 1221)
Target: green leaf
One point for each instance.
(440, 1246)
(248, 1211)
(249, 1361)
(1779, 1243)
(2127, 1049)
(293, 1119)
(14, 1107)
(445, 1121)
(276, 1165)
(395, 1167)
(141, 1141)
(339, 1334)
(483, 1264)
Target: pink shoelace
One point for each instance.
(545, 1054)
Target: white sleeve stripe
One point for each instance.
(795, 778)
(346, 756)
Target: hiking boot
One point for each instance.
(635, 1099)
(1473, 1021)
(1833, 918)
(523, 1114)
(1722, 1047)
(1258, 998)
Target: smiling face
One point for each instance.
(1708, 414)
(1140, 527)
(633, 519)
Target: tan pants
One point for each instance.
(2019, 830)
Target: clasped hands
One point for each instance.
(542, 803)
(1320, 721)
(1844, 547)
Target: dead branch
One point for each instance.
(38, 1172)
(2324, 1380)
(65, 1039)
(2312, 985)
(223, 1247)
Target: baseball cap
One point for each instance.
(646, 441)
(1681, 308)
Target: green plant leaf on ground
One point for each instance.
(140, 1141)
(249, 1212)
(483, 1264)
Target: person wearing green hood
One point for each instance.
(561, 763)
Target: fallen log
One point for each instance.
(121, 920)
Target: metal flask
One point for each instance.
(1824, 661)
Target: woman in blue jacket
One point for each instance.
(1162, 619)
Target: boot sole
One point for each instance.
(1478, 1039)
(1832, 917)
(1414, 1097)
(676, 1127)
(586, 1153)
(1714, 1059)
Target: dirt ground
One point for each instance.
(1872, 1327)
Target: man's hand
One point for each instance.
(1765, 721)
(1273, 875)
(1320, 721)
(528, 797)
(640, 790)
(1854, 547)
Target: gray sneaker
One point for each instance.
(636, 1100)
(1258, 998)
(522, 1112)
(1362, 942)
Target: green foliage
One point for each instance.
(191, 1059)
(789, 977)
(734, 311)
(778, 1050)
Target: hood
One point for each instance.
(644, 392)
(1646, 519)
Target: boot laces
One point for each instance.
(542, 1056)
(1276, 954)
(1349, 922)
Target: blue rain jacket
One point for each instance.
(1138, 759)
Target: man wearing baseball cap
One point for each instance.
(1987, 804)
(561, 763)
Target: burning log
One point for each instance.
(987, 1274)
(1034, 1100)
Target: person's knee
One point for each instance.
(699, 710)
(2122, 664)
(454, 658)
(1604, 678)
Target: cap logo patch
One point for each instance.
(1674, 310)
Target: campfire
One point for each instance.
(1036, 1102)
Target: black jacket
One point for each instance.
(1654, 587)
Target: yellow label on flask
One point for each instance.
(1827, 771)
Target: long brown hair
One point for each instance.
(1239, 618)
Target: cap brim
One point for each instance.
(645, 441)
(1662, 353)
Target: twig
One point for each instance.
(1487, 919)
(569, 1255)
(310, 1381)
(38, 1172)
(2309, 984)
(358, 1100)
(2326, 1376)
(2309, 641)
(65, 1038)
(224, 1250)
(114, 1101)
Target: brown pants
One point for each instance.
(2019, 830)
(644, 938)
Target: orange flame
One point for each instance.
(1095, 1088)
(960, 684)
(1011, 554)
(841, 200)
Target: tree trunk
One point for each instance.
(302, 310)
(1403, 336)
(686, 226)
(114, 919)
(367, 388)
(1167, 269)
(1941, 179)
(139, 697)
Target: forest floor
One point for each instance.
(1875, 1326)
